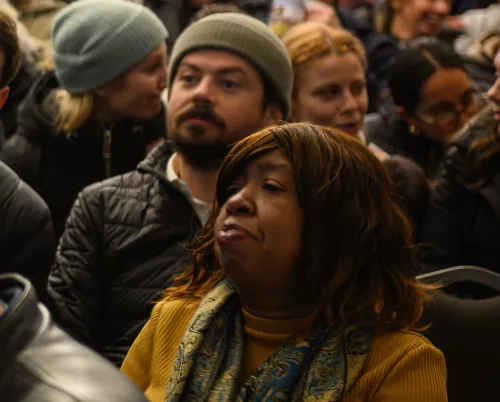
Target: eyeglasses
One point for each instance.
(448, 115)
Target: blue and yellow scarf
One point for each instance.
(321, 366)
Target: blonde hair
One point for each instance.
(72, 111)
(313, 40)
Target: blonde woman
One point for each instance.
(100, 110)
(329, 66)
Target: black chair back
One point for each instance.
(467, 332)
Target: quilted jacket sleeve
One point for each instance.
(74, 287)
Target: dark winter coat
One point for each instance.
(462, 226)
(123, 244)
(59, 165)
(27, 243)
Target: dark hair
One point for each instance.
(483, 151)
(9, 43)
(356, 264)
(414, 65)
(216, 8)
(410, 185)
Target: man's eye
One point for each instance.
(228, 84)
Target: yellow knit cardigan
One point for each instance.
(402, 366)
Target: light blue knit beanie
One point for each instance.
(96, 41)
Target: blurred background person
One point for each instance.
(100, 111)
(408, 19)
(434, 98)
(292, 276)
(462, 225)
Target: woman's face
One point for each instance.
(137, 94)
(494, 93)
(424, 16)
(447, 102)
(331, 92)
(259, 231)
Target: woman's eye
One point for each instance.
(272, 188)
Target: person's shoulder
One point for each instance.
(176, 308)
(390, 347)
(126, 186)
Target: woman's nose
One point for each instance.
(241, 204)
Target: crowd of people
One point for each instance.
(228, 209)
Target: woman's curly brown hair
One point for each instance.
(356, 265)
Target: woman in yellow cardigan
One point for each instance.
(301, 286)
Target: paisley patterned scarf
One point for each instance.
(321, 366)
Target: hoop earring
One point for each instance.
(414, 130)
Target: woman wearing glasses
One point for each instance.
(434, 98)
(462, 226)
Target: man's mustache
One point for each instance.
(202, 111)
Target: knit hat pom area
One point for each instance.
(96, 41)
(244, 36)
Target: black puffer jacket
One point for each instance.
(462, 226)
(27, 243)
(59, 165)
(122, 245)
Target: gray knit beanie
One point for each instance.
(246, 37)
(96, 41)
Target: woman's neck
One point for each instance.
(103, 112)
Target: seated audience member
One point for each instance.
(100, 111)
(305, 270)
(434, 98)
(408, 19)
(462, 225)
(329, 67)
(125, 238)
(42, 363)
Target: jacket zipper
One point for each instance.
(108, 136)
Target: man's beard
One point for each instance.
(202, 156)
